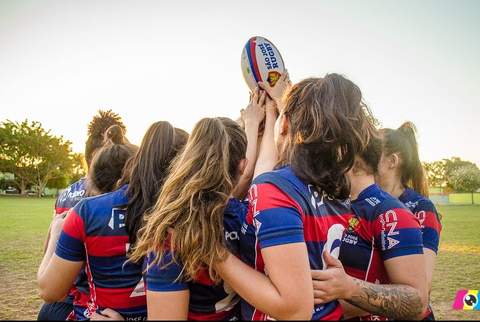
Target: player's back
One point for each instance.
(208, 301)
(114, 282)
(323, 220)
(70, 196)
(426, 213)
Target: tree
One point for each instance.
(33, 155)
(466, 179)
(435, 173)
(452, 165)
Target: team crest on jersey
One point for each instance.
(353, 224)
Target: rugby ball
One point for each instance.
(261, 62)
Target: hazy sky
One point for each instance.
(60, 61)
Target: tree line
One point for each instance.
(453, 175)
(37, 158)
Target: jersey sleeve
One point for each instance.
(164, 276)
(397, 233)
(429, 220)
(234, 215)
(276, 216)
(70, 246)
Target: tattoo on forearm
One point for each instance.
(393, 301)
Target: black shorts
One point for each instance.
(57, 311)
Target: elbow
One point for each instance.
(48, 294)
(296, 310)
(422, 307)
(424, 300)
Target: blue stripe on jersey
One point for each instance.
(286, 227)
(431, 239)
(165, 276)
(70, 248)
(114, 272)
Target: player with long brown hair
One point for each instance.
(401, 174)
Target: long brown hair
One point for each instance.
(147, 171)
(328, 125)
(403, 141)
(189, 210)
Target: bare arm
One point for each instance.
(252, 116)
(267, 157)
(404, 299)
(430, 257)
(168, 305)
(55, 275)
(284, 293)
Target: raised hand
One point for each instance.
(278, 91)
(254, 113)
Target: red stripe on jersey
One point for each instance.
(106, 246)
(429, 219)
(60, 210)
(315, 228)
(204, 278)
(81, 299)
(73, 226)
(357, 273)
(335, 315)
(118, 298)
(402, 217)
(276, 198)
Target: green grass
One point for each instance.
(24, 223)
(23, 226)
(458, 260)
(464, 198)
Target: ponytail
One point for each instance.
(189, 210)
(147, 171)
(403, 141)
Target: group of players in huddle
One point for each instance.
(301, 209)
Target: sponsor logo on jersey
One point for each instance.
(389, 222)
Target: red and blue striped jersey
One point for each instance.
(282, 210)
(383, 228)
(65, 201)
(70, 196)
(208, 301)
(94, 233)
(426, 214)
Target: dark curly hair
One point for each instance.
(328, 125)
(96, 129)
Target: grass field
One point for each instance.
(24, 222)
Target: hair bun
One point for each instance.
(408, 128)
(115, 134)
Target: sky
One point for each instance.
(61, 61)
